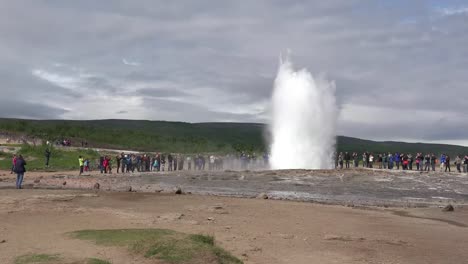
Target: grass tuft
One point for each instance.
(165, 245)
(97, 261)
(204, 239)
(36, 258)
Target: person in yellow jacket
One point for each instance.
(81, 162)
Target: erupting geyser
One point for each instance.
(303, 123)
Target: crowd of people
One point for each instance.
(132, 162)
(420, 161)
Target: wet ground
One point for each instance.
(352, 187)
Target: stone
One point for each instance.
(448, 208)
(286, 236)
(262, 196)
(178, 190)
(170, 217)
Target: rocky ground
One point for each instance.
(255, 230)
(354, 187)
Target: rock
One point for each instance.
(448, 208)
(169, 217)
(178, 190)
(286, 236)
(256, 249)
(262, 196)
(97, 186)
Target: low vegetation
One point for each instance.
(60, 159)
(164, 245)
(37, 258)
(55, 259)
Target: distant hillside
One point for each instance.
(187, 137)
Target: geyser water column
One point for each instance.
(303, 122)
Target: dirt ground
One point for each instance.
(255, 230)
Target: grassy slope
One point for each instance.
(59, 160)
(187, 137)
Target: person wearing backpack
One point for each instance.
(20, 169)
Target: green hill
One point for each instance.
(187, 137)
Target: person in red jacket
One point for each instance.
(13, 164)
(105, 164)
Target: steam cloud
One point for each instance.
(303, 123)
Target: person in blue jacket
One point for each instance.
(442, 162)
(20, 169)
(397, 160)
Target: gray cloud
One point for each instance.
(402, 61)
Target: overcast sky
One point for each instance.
(400, 67)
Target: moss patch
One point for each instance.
(166, 245)
(36, 258)
(97, 261)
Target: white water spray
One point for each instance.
(303, 124)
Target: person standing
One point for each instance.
(356, 159)
(390, 161)
(433, 161)
(465, 164)
(47, 157)
(371, 160)
(458, 163)
(427, 162)
(189, 163)
(181, 162)
(118, 159)
(105, 164)
(13, 163)
(397, 160)
(442, 162)
(20, 169)
(347, 159)
(410, 162)
(175, 162)
(340, 160)
(447, 163)
(101, 164)
(81, 163)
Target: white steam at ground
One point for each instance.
(303, 123)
